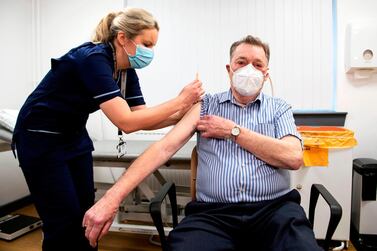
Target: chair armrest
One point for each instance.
(155, 210)
(335, 210)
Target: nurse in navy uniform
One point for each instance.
(52, 144)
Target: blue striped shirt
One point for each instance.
(228, 173)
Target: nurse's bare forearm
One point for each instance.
(172, 120)
(129, 121)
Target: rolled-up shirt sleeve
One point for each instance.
(284, 121)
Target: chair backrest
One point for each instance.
(193, 167)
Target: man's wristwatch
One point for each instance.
(236, 130)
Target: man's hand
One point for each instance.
(98, 219)
(212, 126)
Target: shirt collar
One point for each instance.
(228, 97)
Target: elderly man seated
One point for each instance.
(247, 142)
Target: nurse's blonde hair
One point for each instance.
(132, 21)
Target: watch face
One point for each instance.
(236, 131)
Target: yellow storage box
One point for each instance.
(317, 141)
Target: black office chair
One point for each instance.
(169, 189)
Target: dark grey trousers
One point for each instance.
(275, 225)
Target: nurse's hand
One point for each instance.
(98, 219)
(191, 94)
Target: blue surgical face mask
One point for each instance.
(143, 56)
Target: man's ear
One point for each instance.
(267, 75)
(227, 67)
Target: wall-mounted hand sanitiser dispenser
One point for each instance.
(361, 48)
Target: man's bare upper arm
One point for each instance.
(184, 129)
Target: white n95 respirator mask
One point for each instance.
(247, 80)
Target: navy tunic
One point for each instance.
(53, 145)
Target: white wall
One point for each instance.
(67, 24)
(15, 51)
(357, 97)
(195, 36)
(15, 83)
